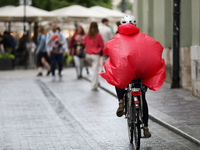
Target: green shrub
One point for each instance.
(5, 55)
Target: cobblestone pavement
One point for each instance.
(179, 104)
(36, 113)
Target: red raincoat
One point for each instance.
(134, 55)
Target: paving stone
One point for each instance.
(67, 115)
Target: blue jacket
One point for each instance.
(41, 40)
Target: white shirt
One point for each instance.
(62, 40)
(106, 33)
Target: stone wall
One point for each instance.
(185, 66)
(195, 70)
(167, 56)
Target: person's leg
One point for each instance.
(86, 66)
(77, 65)
(145, 110)
(45, 63)
(101, 60)
(95, 69)
(39, 64)
(81, 65)
(147, 134)
(101, 63)
(60, 62)
(120, 95)
(39, 71)
(53, 61)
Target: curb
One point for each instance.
(174, 128)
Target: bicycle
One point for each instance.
(134, 112)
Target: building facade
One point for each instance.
(155, 18)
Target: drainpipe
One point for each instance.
(176, 45)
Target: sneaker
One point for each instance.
(94, 89)
(53, 78)
(120, 110)
(60, 75)
(79, 77)
(48, 73)
(39, 74)
(147, 134)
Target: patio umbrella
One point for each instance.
(6, 7)
(112, 15)
(77, 13)
(33, 14)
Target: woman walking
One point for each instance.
(79, 30)
(93, 44)
(42, 57)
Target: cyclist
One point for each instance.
(120, 92)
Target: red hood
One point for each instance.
(128, 28)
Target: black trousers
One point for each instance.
(120, 94)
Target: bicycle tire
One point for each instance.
(129, 120)
(137, 131)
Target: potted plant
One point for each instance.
(6, 60)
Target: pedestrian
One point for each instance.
(78, 55)
(93, 43)
(42, 57)
(118, 24)
(9, 45)
(30, 45)
(107, 35)
(9, 42)
(79, 30)
(21, 52)
(65, 46)
(1, 44)
(55, 45)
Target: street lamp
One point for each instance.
(25, 2)
(123, 6)
(24, 17)
(176, 31)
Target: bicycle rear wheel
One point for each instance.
(137, 130)
(128, 111)
(130, 124)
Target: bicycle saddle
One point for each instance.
(136, 80)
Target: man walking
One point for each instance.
(107, 35)
(56, 46)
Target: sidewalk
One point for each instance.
(177, 109)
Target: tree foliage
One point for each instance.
(56, 4)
